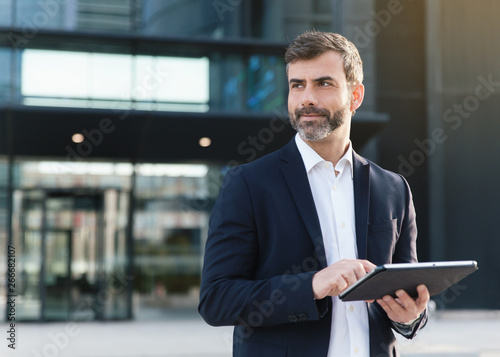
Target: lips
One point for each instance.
(310, 116)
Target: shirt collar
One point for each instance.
(311, 157)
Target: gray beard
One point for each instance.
(313, 131)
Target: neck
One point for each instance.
(332, 147)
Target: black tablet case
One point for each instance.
(386, 281)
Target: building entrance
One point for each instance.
(72, 255)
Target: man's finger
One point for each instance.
(367, 265)
(423, 296)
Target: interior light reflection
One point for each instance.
(120, 169)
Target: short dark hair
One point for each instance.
(314, 43)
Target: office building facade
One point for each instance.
(119, 118)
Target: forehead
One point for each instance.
(327, 64)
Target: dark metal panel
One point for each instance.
(159, 136)
(469, 102)
(146, 45)
(401, 92)
(469, 116)
(4, 135)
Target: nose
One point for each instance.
(309, 98)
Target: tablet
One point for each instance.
(387, 279)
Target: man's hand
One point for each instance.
(404, 308)
(334, 279)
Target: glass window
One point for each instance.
(173, 83)
(76, 214)
(62, 174)
(33, 16)
(213, 19)
(5, 74)
(3, 230)
(26, 239)
(118, 81)
(81, 209)
(109, 16)
(99, 80)
(173, 203)
(5, 12)
(163, 18)
(256, 83)
(4, 172)
(266, 79)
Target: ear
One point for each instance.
(357, 95)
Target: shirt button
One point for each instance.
(351, 308)
(356, 350)
(334, 188)
(342, 224)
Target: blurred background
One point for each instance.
(119, 118)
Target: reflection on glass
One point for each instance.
(99, 80)
(77, 221)
(5, 74)
(72, 254)
(27, 238)
(5, 14)
(265, 83)
(67, 174)
(164, 18)
(256, 83)
(35, 15)
(125, 82)
(3, 229)
(56, 280)
(170, 222)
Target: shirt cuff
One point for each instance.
(407, 324)
(408, 329)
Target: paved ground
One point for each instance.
(457, 334)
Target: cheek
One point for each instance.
(340, 102)
(348, 99)
(292, 102)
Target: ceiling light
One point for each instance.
(77, 138)
(205, 142)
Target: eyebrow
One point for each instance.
(320, 79)
(324, 78)
(296, 80)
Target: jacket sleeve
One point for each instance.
(406, 252)
(230, 294)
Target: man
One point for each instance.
(292, 230)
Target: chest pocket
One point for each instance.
(382, 227)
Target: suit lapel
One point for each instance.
(361, 202)
(296, 177)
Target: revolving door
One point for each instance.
(72, 254)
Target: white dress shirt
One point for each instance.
(334, 200)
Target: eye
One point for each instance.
(324, 84)
(296, 85)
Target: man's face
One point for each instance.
(318, 100)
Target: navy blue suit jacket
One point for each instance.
(265, 243)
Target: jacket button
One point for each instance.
(292, 318)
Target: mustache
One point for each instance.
(311, 110)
